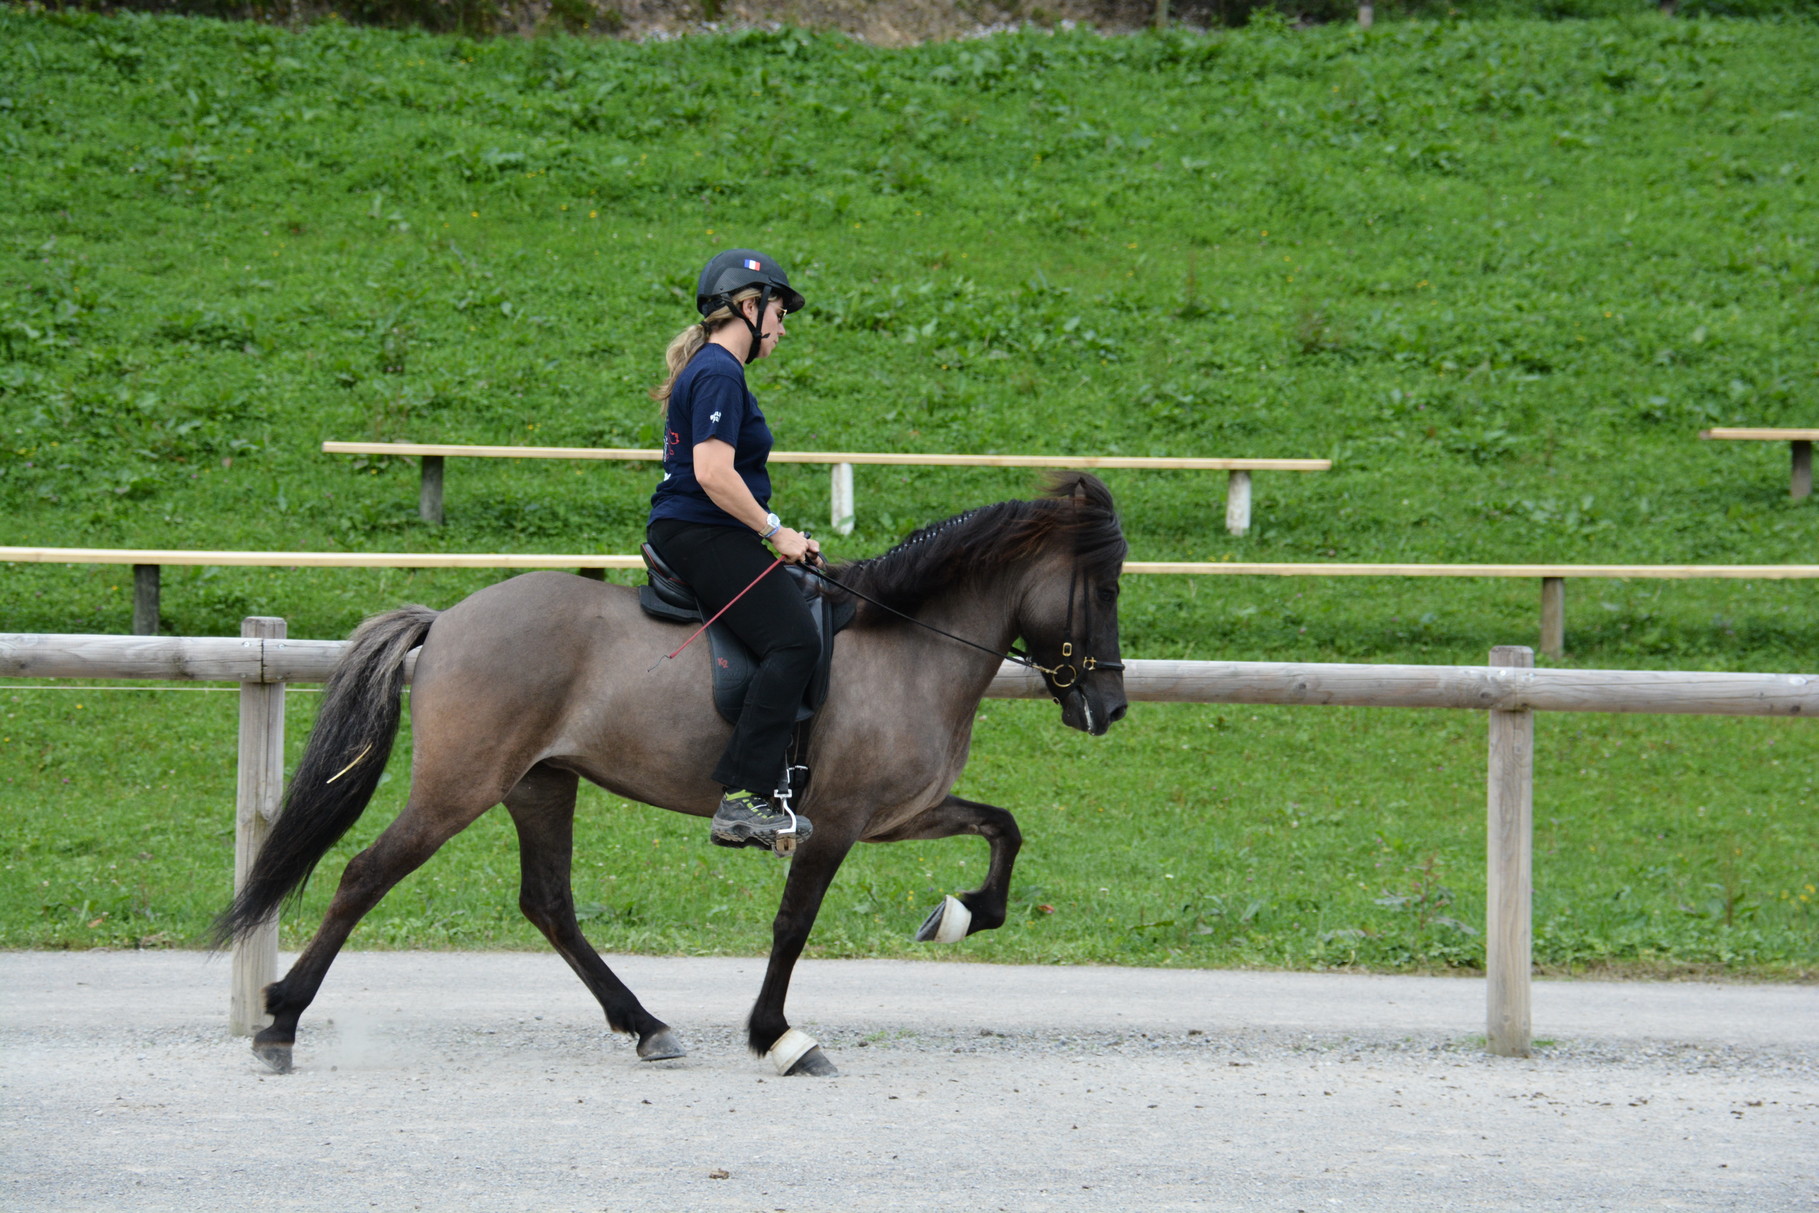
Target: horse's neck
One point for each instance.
(985, 613)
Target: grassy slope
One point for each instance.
(1499, 272)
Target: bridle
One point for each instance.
(1060, 677)
(1087, 664)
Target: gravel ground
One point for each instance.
(487, 1081)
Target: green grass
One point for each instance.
(1185, 839)
(1500, 272)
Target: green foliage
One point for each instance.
(1500, 272)
(577, 16)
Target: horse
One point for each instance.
(528, 686)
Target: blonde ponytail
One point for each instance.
(685, 345)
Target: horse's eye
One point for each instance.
(1107, 594)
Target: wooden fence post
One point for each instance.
(1364, 16)
(1508, 930)
(841, 513)
(260, 790)
(429, 497)
(1801, 484)
(1238, 502)
(145, 599)
(1553, 617)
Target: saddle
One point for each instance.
(666, 596)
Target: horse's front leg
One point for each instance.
(811, 872)
(984, 908)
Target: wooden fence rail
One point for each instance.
(147, 563)
(1310, 684)
(840, 485)
(262, 659)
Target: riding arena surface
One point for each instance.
(488, 1081)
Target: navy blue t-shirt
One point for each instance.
(710, 400)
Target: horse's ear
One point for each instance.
(1079, 493)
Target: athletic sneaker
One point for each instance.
(746, 819)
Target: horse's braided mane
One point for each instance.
(1075, 515)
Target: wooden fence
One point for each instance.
(1800, 448)
(263, 660)
(840, 485)
(148, 562)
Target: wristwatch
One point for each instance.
(773, 525)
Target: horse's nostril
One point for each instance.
(1118, 712)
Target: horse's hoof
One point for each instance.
(660, 1045)
(948, 924)
(277, 1058)
(814, 1064)
(795, 1052)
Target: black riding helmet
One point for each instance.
(728, 273)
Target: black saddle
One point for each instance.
(667, 596)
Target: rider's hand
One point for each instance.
(794, 546)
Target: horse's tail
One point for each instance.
(342, 762)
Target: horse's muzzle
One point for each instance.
(1091, 709)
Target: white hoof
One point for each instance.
(948, 924)
(789, 1049)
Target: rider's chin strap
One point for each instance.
(764, 302)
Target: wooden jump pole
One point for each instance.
(1509, 860)
(259, 792)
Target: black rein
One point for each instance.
(1052, 674)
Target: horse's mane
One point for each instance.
(1075, 510)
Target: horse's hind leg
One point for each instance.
(400, 849)
(988, 904)
(542, 806)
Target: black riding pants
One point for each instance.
(773, 621)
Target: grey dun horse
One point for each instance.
(528, 686)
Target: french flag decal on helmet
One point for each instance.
(749, 264)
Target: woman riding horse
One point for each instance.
(523, 689)
(710, 519)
